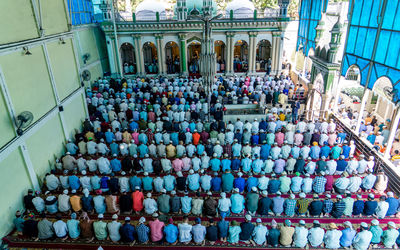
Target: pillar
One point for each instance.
(337, 94)
(277, 50)
(252, 52)
(361, 113)
(110, 53)
(183, 62)
(139, 55)
(229, 54)
(160, 54)
(393, 129)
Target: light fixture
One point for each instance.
(62, 40)
(26, 51)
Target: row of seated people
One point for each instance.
(216, 182)
(212, 232)
(253, 201)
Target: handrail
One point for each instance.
(380, 164)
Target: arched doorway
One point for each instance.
(172, 58)
(263, 56)
(382, 102)
(240, 55)
(220, 56)
(128, 58)
(194, 50)
(150, 58)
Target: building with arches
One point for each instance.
(246, 41)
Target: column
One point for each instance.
(229, 57)
(160, 54)
(393, 129)
(337, 94)
(139, 55)
(183, 62)
(361, 113)
(110, 53)
(277, 45)
(252, 52)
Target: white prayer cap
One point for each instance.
(73, 191)
(392, 224)
(145, 174)
(163, 191)
(364, 225)
(100, 216)
(179, 174)
(148, 195)
(254, 189)
(83, 172)
(223, 194)
(302, 195)
(390, 194)
(375, 222)
(191, 171)
(115, 216)
(142, 220)
(65, 191)
(247, 217)
(123, 173)
(258, 220)
(302, 222)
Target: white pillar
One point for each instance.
(110, 53)
(392, 134)
(361, 113)
(337, 94)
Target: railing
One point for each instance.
(380, 164)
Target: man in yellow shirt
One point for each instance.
(282, 116)
(171, 150)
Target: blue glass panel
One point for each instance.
(369, 43)
(394, 46)
(356, 12)
(383, 45)
(362, 33)
(390, 13)
(364, 18)
(374, 13)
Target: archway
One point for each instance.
(194, 50)
(263, 56)
(381, 101)
(128, 58)
(172, 58)
(220, 56)
(150, 58)
(240, 55)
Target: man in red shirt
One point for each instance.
(137, 198)
(156, 229)
(196, 137)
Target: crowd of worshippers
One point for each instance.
(166, 231)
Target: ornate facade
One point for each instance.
(157, 42)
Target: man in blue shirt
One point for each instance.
(315, 207)
(74, 182)
(128, 232)
(216, 183)
(393, 204)
(171, 232)
(235, 163)
(370, 205)
(358, 206)
(251, 182)
(115, 164)
(347, 235)
(239, 182)
(274, 184)
(223, 227)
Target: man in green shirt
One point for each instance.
(377, 232)
(227, 181)
(348, 211)
(252, 201)
(285, 183)
(163, 202)
(390, 235)
(336, 151)
(100, 228)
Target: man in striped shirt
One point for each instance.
(302, 204)
(338, 207)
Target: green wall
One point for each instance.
(27, 82)
(73, 113)
(44, 144)
(64, 67)
(32, 77)
(15, 182)
(17, 21)
(6, 128)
